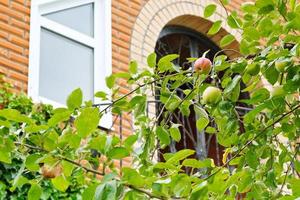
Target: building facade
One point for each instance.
(46, 46)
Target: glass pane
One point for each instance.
(80, 18)
(64, 66)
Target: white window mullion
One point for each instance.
(102, 69)
(67, 32)
(34, 56)
(48, 6)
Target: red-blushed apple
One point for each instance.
(202, 65)
(212, 95)
(277, 91)
(51, 172)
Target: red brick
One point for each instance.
(20, 8)
(19, 41)
(11, 13)
(4, 18)
(3, 34)
(11, 29)
(20, 24)
(4, 2)
(9, 45)
(13, 65)
(18, 58)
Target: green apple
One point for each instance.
(212, 95)
(253, 69)
(280, 65)
(277, 91)
(239, 66)
(202, 65)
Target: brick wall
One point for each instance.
(14, 37)
(14, 42)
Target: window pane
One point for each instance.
(64, 66)
(80, 18)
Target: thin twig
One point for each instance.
(139, 87)
(287, 171)
(222, 4)
(91, 170)
(250, 141)
(61, 157)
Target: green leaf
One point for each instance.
(133, 195)
(161, 165)
(245, 181)
(225, 2)
(252, 159)
(35, 128)
(31, 162)
(226, 40)
(60, 116)
(180, 155)
(5, 123)
(132, 177)
(118, 153)
(200, 111)
(234, 96)
(98, 143)
(209, 10)
(19, 181)
(271, 74)
(295, 185)
(137, 100)
(248, 7)
(87, 121)
(101, 95)
(5, 157)
(251, 33)
(232, 21)
(106, 191)
(6, 147)
(201, 123)
(163, 135)
(60, 183)
(258, 96)
(151, 60)
(110, 81)
(69, 138)
(89, 192)
(215, 28)
(165, 63)
(123, 75)
(15, 115)
(175, 133)
(130, 140)
(133, 67)
(74, 99)
(232, 84)
(67, 168)
(35, 192)
(198, 163)
(263, 3)
(250, 116)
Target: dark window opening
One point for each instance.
(188, 43)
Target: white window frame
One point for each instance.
(100, 43)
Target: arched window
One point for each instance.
(188, 43)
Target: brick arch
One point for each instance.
(155, 15)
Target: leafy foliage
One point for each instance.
(65, 149)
